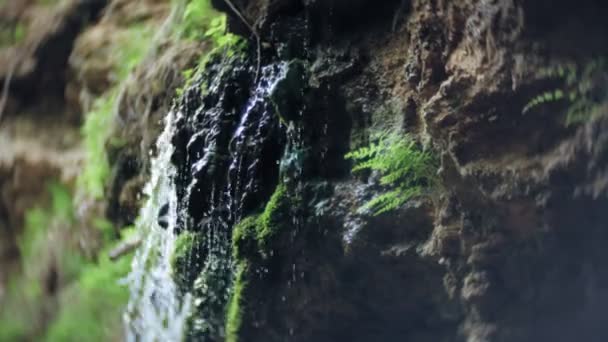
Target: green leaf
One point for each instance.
(405, 167)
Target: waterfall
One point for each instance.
(207, 166)
(248, 135)
(154, 311)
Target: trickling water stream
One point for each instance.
(207, 165)
(246, 139)
(154, 311)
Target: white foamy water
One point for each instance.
(155, 311)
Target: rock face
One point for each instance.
(510, 246)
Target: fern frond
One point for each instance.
(404, 166)
(583, 90)
(543, 98)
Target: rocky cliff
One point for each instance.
(347, 170)
(508, 245)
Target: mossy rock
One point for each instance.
(234, 313)
(253, 242)
(244, 241)
(210, 297)
(256, 235)
(187, 259)
(274, 217)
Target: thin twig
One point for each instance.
(253, 31)
(6, 86)
(124, 248)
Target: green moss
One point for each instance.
(106, 228)
(196, 19)
(19, 33)
(211, 293)
(244, 238)
(17, 311)
(48, 2)
(201, 22)
(187, 259)
(256, 234)
(252, 242)
(188, 77)
(61, 202)
(409, 170)
(274, 216)
(234, 314)
(24, 294)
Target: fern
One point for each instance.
(408, 169)
(196, 19)
(582, 90)
(201, 22)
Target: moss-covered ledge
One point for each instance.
(254, 241)
(187, 259)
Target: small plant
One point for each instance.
(196, 19)
(582, 90)
(201, 21)
(404, 166)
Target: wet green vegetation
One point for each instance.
(406, 169)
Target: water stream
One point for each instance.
(154, 311)
(204, 196)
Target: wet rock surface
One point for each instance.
(510, 248)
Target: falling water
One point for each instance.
(248, 135)
(154, 312)
(244, 148)
(206, 204)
